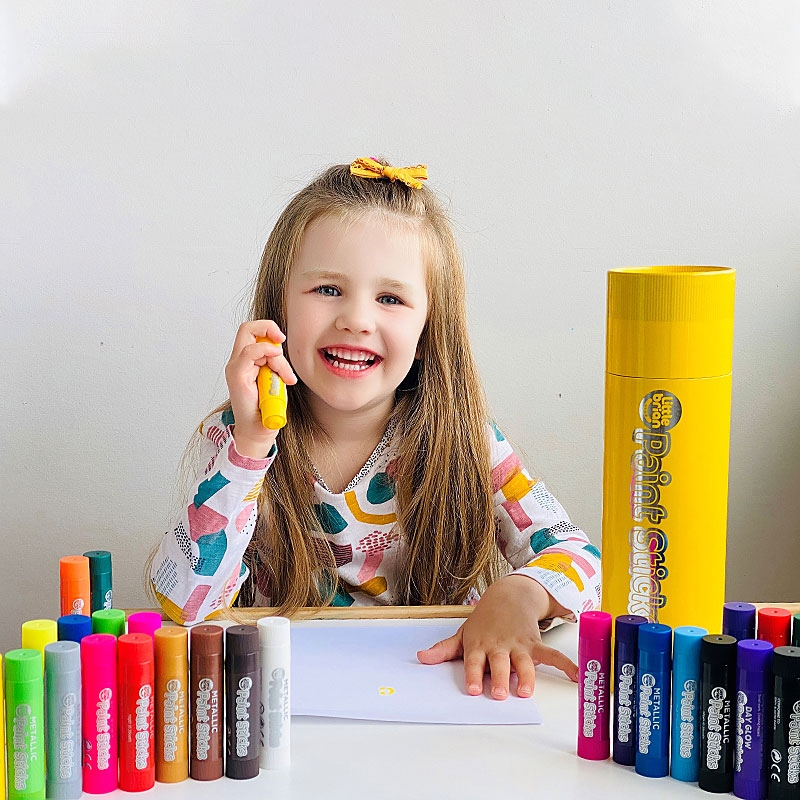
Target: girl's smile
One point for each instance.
(349, 363)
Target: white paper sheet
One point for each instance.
(369, 671)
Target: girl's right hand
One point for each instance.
(248, 356)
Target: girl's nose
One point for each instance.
(355, 317)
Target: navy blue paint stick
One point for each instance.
(626, 658)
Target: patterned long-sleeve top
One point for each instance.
(198, 569)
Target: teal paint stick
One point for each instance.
(25, 724)
(100, 579)
(62, 675)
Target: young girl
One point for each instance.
(389, 484)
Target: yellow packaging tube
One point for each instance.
(271, 398)
(669, 353)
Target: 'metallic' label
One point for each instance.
(718, 723)
(173, 719)
(594, 683)
(24, 735)
(206, 716)
(650, 700)
(277, 706)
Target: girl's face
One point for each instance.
(356, 304)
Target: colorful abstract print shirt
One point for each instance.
(198, 569)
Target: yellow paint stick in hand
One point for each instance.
(271, 398)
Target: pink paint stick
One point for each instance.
(594, 685)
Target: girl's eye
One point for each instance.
(389, 300)
(327, 291)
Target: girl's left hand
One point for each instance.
(502, 634)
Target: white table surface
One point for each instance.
(334, 758)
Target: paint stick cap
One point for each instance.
(595, 625)
(144, 622)
(718, 648)
(135, 648)
(206, 640)
(74, 568)
(754, 655)
(109, 620)
(241, 641)
(773, 622)
(63, 656)
(785, 662)
(655, 637)
(23, 665)
(686, 645)
(171, 643)
(626, 627)
(73, 627)
(99, 562)
(739, 620)
(36, 633)
(274, 631)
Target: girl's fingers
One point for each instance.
(249, 332)
(526, 672)
(500, 667)
(555, 658)
(446, 650)
(474, 667)
(268, 354)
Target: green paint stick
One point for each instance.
(25, 724)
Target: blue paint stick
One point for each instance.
(685, 747)
(626, 658)
(655, 655)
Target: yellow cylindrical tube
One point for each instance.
(669, 351)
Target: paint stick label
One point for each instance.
(206, 716)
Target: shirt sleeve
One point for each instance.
(536, 536)
(198, 568)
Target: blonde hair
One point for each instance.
(443, 476)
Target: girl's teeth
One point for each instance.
(350, 366)
(350, 359)
(349, 355)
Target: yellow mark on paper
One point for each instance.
(385, 690)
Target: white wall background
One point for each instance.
(147, 148)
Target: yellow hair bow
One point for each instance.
(370, 168)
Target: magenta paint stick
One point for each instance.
(594, 685)
(99, 717)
